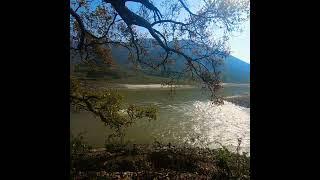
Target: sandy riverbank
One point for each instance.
(150, 86)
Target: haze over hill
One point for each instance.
(234, 70)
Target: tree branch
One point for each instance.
(114, 19)
(81, 25)
(134, 43)
(186, 8)
(164, 39)
(170, 21)
(150, 6)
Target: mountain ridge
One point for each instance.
(234, 70)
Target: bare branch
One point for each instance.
(78, 7)
(186, 8)
(81, 25)
(170, 21)
(150, 6)
(134, 42)
(111, 24)
(164, 39)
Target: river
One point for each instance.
(187, 116)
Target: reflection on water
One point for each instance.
(186, 117)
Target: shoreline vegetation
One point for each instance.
(159, 161)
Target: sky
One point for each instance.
(239, 42)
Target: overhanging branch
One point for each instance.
(81, 25)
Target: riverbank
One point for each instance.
(242, 100)
(161, 162)
(96, 83)
(151, 86)
(157, 86)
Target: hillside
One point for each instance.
(234, 70)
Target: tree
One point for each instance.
(107, 106)
(113, 22)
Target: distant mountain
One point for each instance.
(234, 70)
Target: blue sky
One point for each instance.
(239, 42)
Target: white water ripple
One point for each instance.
(224, 124)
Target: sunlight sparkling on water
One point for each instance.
(206, 123)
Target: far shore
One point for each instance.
(240, 100)
(160, 86)
(150, 86)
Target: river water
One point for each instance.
(187, 116)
